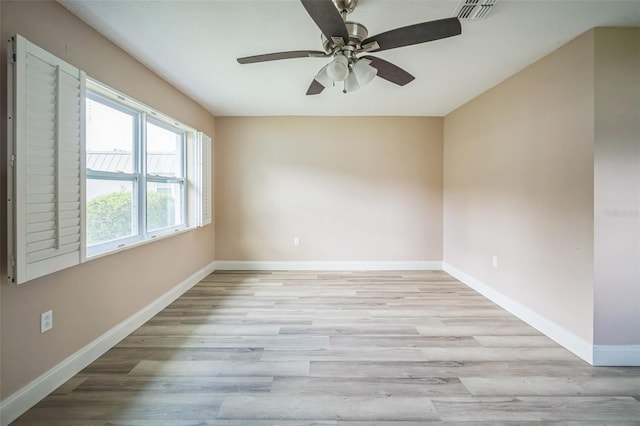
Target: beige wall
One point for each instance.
(518, 183)
(352, 189)
(90, 299)
(617, 186)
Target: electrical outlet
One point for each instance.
(495, 261)
(46, 321)
(296, 241)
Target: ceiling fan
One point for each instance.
(345, 40)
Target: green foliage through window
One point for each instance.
(109, 216)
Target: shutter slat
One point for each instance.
(71, 230)
(41, 111)
(46, 245)
(38, 160)
(47, 235)
(50, 253)
(40, 189)
(40, 208)
(69, 206)
(40, 198)
(69, 215)
(41, 245)
(69, 223)
(40, 217)
(40, 180)
(39, 170)
(40, 226)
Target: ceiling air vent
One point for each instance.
(474, 10)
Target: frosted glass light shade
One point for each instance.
(351, 83)
(323, 78)
(364, 72)
(338, 69)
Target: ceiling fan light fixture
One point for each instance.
(323, 77)
(351, 83)
(364, 72)
(338, 69)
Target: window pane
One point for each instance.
(110, 138)
(164, 151)
(111, 210)
(164, 205)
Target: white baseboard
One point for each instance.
(562, 336)
(246, 265)
(616, 355)
(19, 402)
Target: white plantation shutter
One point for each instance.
(203, 179)
(48, 160)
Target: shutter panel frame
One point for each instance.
(203, 180)
(46, 163)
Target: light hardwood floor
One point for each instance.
(341, 349)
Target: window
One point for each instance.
(91, 171)
(135, 170)
(165, 176)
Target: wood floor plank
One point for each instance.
(523, 368)
(232, 342)
(476, 330)
(594, 409)
(392, 341)
(327, 407)
(369, 386)
(548, 386)
(207, 330)
(69, 386)
(517, 341)
(147, 406)
(310, 314)
(496, 354)
(160, 384)
(185, 353)
(362, 330)
(336, 348)
(221, 368)
(440, 312)
(377, 322)
(345, 354)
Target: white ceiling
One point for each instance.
(194, 45)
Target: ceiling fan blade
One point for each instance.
(390, 72)
(282, 55)
(327, 18)
(315, 88)
(414, 34)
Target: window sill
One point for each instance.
(139, 243)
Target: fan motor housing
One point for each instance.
(357, 33)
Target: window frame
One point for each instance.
(139, 176)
